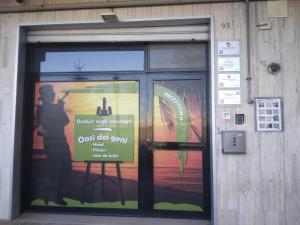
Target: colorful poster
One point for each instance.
(86, 140)
(177, 190)
(178, 117)
(85, 144)
(178, 111)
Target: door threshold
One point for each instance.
(67, 219)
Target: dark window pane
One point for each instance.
(178, 56)
(88, 61)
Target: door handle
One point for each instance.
(149, 144)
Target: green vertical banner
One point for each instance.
(182, 119)
(104, 138)
(182, 114)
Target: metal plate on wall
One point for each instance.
(234, 142)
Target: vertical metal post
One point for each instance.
(248, 77)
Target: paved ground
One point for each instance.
(58, 219)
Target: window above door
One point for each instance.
(94, 59)
(120, 57)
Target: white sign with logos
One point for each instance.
(228, 48)
(229, 97)
(229, 80)
(229, 64)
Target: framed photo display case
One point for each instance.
(269, 114)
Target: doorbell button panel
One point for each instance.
(234, 142)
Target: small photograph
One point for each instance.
(269, 125)
(275, 104)
(261, 111)
(275, 111)
(269, 111)
(262, 125)
(269, 118)
(261, 118)
(261, 104)
(276, 118)
(276, 125)
(268, 104)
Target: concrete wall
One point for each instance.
(259, 188)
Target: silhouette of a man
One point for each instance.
(51, 120)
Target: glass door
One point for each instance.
(178, 144)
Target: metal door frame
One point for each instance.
(175, 76)
(144, 99)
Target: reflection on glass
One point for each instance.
(178, 56)
(177, 188)
(99, 127)
(88, 61)
(177, 111)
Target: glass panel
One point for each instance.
(178, 56)
(177, 111)
(178, 180)
(86, 123)
(88, 61)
